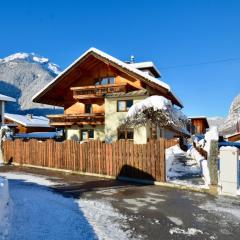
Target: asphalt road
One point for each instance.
(154, 212)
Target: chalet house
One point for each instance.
(199, 125)
(3, 100)
(29, 123)
(96, 92)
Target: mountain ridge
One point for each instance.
(22, 75)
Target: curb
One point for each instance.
(211, 191)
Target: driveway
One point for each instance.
(150, 212)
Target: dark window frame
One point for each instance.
(126, 105)
(126, 133)
(108, 79)
(86, 108)
(87, 130)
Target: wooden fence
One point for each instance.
(121, 158)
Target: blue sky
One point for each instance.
(176, 35)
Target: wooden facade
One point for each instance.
(234, 138)
(81, 90)
(199, 125)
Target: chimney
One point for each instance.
(132, 59)
(30, 116)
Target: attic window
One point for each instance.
(105, 81)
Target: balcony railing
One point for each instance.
(97, 91)
(82, 119)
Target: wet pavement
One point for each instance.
(154, 212)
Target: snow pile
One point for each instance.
(105, 220)
(170, 154)
(4, 201)
(33, 58)
(178, 165)
(156, 102)
(158, 110)
(212, 134)
(40, 180)
(37, 212)
(202, 163)
(205, 144)
(189, 232)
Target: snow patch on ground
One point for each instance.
(105, 220)
(40, 180)
(189, 183)
(4, 201)
(188, 232)
(176, 220)
(223, 206)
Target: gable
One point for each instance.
(85, 71)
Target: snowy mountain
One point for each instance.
(21, 76)
(215, 121)
(232, 123)
(33, 58)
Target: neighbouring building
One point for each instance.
(234, 137)
(3, 100)
(199, 125)
(96, 92)
(21, 124)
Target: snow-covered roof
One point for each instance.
(232, 135)
(197, 117)
(39, 135)
(114, 60)
(142, 65)
(6, 98)
(27, 120)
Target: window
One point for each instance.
(88, 108)
(126, 134)
(87, 134)
(105, 81)
(124, 105)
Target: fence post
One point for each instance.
(212, 162)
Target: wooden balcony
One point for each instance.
(97, 91)
(82, 119)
